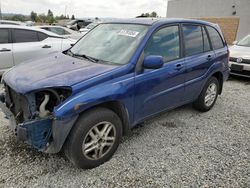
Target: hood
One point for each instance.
(240, 51)
(55, 70)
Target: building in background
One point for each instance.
(232, 15)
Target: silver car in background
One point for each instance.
(21, 43)
(240, 58)
(62, 31)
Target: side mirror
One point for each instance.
(235, 42)
(153, 62)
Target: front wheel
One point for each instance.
(208, 96)
(94, 138)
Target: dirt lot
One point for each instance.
(180, 148)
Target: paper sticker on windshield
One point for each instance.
(128, 33)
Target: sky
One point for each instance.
(86, 8)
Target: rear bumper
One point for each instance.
(47, 135)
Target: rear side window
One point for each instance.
(21, 35)
(215, 38)
(206, 46)
(166, 43)
(42, 36)
(193, 39)
(4, 36)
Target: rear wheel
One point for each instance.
(94, 138)
(208, 96)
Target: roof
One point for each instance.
(12, 22)
(151, 21)
(28, 28)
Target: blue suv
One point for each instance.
(83, 100)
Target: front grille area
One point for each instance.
(234, 59)
(18, 105)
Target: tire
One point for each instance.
(201, 104)
(84, 137)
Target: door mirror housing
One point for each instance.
(153, 62)
(235, 42)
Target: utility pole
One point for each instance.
(167, 8)
(1, 16)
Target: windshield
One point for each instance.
(111, 43)
(244, 42)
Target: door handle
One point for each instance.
(46, 46)
(178, 66)
(209, 57)
(5, 50)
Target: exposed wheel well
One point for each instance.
(219, 77)
(120, 110)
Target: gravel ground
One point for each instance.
(181, 148)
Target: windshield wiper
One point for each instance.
(87, 57)
(70, 53)
(95, 60)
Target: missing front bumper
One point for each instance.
(47, 135)
(36, 133)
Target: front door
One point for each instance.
(6, 52)
(28, 45)
(163, 88)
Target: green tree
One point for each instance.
(33, 16)
(153, 14)
(50, 13)
(73, 17)
(50, 17)
(42, 18)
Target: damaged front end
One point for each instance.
(31, 117)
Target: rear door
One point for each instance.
(6, 51)
(219, 46)
(29, 44)
(199, 57)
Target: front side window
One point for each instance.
(111, 43)
(215, 38)
(193, 39)
(21, 35)
(4, 36)
(165, 43)
(42, 36)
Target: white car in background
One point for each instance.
(239, 62)
(21, 43)
(62, 31)
(86, 29)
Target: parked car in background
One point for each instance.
(240, 57)
(78, 24)
(120, 74)
(21, 43)
(86, 29)
(9, 22)
(63, 31)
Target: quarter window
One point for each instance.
(193, 39)
(206, 45)
(4, 36)
(166, 43)
(21, 35)
(215, 38)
